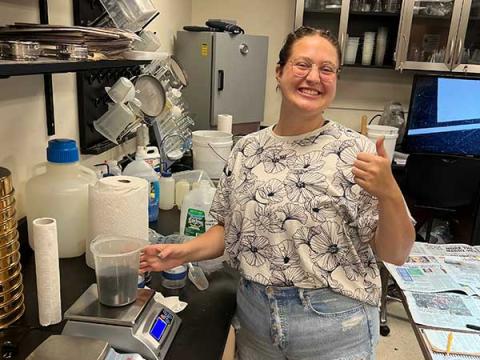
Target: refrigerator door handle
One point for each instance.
(221, 76)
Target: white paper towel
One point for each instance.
(224, 123)
(118, 205)
(47, 271)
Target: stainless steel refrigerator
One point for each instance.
(226, 75)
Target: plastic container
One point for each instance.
(390, 134)
(211, 149)
(194, 217)
(141, 169)
(175, 278)
(192, 176)
(62, 193)
(129, 14)
(117, 260)
(151, 155)
(182, 188)
(167, 191)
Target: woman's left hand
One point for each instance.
(373, 172)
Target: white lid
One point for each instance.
(141, 153)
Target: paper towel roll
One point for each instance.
(47, 271)
(224, 122)
(118, 205)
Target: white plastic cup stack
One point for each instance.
(381, 45)
(368, 45)
(352, 48)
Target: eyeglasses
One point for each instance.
(303, 67)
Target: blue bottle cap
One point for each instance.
(62, 151)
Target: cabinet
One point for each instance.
(350, 20)
(430, 35)
(441, 35)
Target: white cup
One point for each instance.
(224, 123)
(390, 133)
(351, 52)
(114, 121)
(122, 91)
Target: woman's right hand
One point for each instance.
(162, 257)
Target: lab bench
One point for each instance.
(205, 321)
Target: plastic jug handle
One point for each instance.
(36, 168)
(89, 172)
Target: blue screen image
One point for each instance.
(458, 99)
(158, 328)
(444, 116)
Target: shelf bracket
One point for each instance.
(47, 78)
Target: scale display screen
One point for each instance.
(158, 328)
(160, 324)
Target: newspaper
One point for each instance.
(466, 273)
(439, 268)
(443, 310)
(445, 249)
(427, 277)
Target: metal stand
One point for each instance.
(47, 78)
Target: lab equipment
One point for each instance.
(117, 261)
(61, 193)
(144, 327)
(222, 69)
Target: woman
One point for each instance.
(302, 208)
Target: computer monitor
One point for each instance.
(444, 116)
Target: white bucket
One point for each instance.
(390, 133)
(211, 149)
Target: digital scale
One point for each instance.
(144, 327)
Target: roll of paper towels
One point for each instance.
(118, 205)
(47, 271)
(224, 123)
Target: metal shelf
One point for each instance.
(372, 13)
(50, 66)
(388, 67)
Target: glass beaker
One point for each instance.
(117, 260)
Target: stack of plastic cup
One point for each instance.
(381, 45)
(351, 52)
(368, 45)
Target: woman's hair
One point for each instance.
(302, 32)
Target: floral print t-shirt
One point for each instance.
(293, 214)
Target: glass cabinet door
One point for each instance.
(428, 33)
(372, 33)
(325, 14)
(466, 54)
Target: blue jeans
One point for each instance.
(302, 324)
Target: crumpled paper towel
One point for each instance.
(171, 302)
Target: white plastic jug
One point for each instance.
(194, 217)
(140, 168)
(62, 193)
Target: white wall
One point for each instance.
(23, 134)
(360, 91)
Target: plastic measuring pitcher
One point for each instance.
(116, 267)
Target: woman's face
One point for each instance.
(308, 80)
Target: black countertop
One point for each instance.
(205, 321)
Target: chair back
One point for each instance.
(442, 181)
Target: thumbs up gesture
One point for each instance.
(373, 172)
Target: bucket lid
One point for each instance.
(62, 151)
(211, 135)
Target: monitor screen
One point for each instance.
(444, 116)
